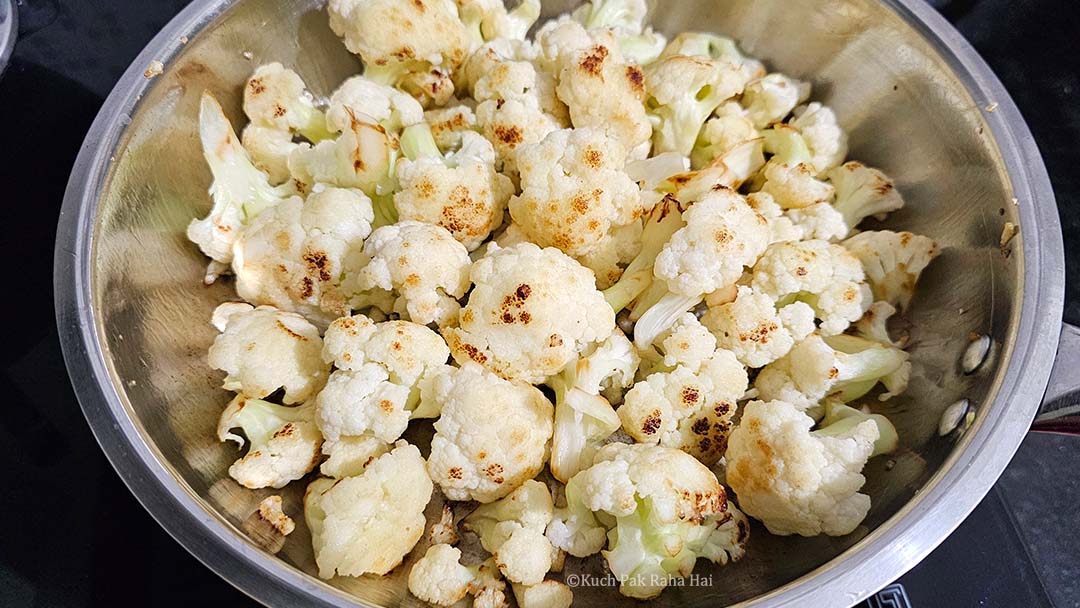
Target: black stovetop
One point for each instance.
(73, 536)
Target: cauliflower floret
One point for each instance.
(284, 442)
(794, 186)
(512, 530)
(460, 192)
(439, 578)
(682, 92)
(771, 98)
(781, 227)
(841, 367)
(367, 524)
(574, 190)
(826, 140)
(689, 407)
(754, 329)
(361, 157)
(489, 20)
(412, 45)
(874, 325)
(263, 349)
(797, 481)
(269, 149)
(349, 456)
(422, 264)
(492, 434)
(277, 98)
(615, 252)
(597, 70)
(389, 107)
(240, 191)
(723, 234)
(363, 400)
(893, 262)
(294, 255)
(862, 192)
(729, 127)
(664, 510)
(820, 221)
(548, 594)
(621, 15)
(531, 312)
(701, 44)
(449, 124)
(824, 275)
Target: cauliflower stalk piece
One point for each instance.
(349, 456)
(361, 157)
(683, 91)
(584, 418)
(771, 98)
(440, 579)
(284, 441)
(492, 435)
(862, 192)
(840, 367)
(722, 236)
(825, 276)
(460, 191)
(728, 128)
(840, 420)
(240, 191)
(574, 190)
(420, 265)
(755, 330)
(414, 46)
(798, 481)
(530, 313)
(512, 530)
(790, 175)
(893, 262)
(263, 349)
(661, 508)
(688, 406)
(368, 523)
(295, 255)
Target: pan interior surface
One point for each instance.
(902, 106)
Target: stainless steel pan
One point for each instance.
(917, 102)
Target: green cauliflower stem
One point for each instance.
(841, 419)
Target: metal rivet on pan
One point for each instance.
(975, 353)
(952, 416)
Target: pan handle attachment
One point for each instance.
(1060, 411)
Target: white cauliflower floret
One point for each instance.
(824, 275)
(531, 312)
(597, 71)
(408, 351)
(729, 127)
(349, 456)
(839, 367)
(621, 15)
(492, 434)
(284, 442)
(615, 252)
(754, 329)
(781, 226)
(269, 149)
(449, 124)
(414, 46)
(797, 481)
(713, 46)
(363, 400)
(771, 98)
(820, 221)
(294, 255)
(367, 524)
(722, 235)
(794, 185)
(893, 262)
(862, 192)
(574, 190)
(826, 140)
(388, 106)
(687, 343)
(361, 157)
(263, 349)
(874, 325)
(663, 510)
(240, 191)
(517, 106)
(460, 192)
(422, 264)
(683, 91)
(512, 530)
(489, 20)
(548, 594)
(280, 107)
(439, 578)
(689, 407)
